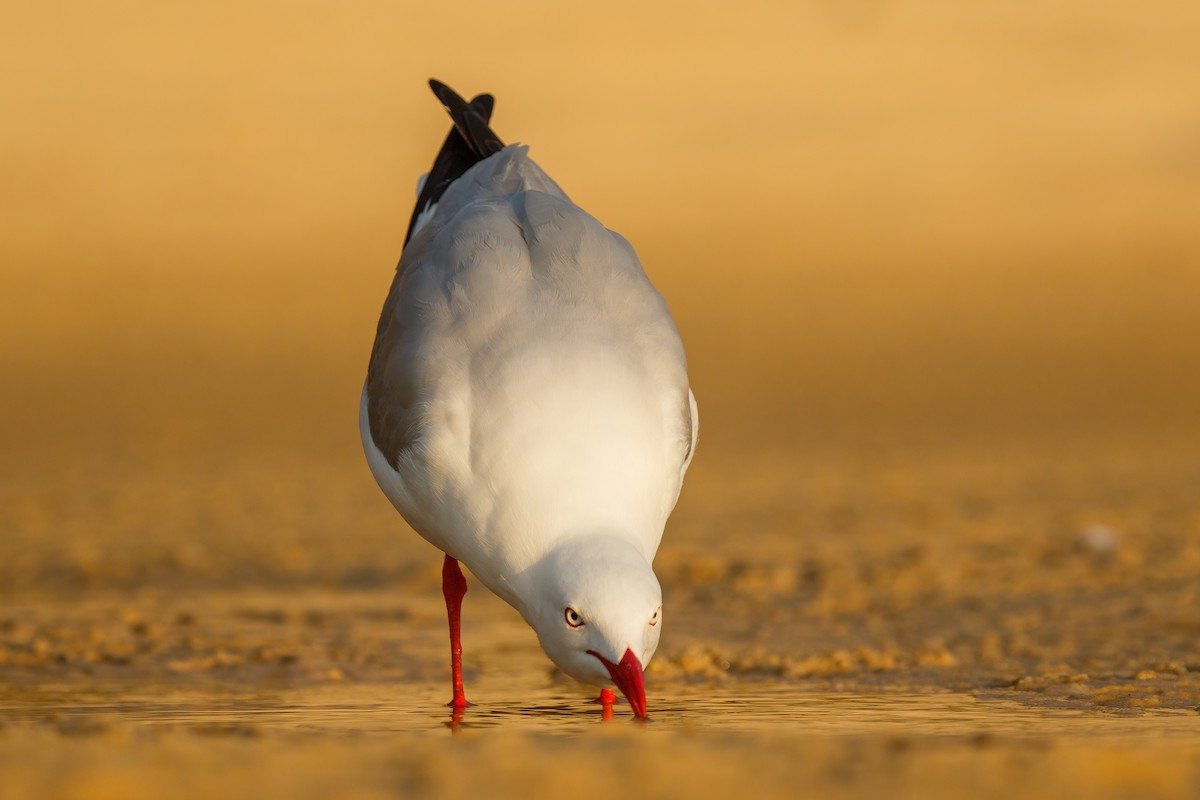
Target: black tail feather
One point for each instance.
(469, 142)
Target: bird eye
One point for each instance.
(573, 618)
(654, 617)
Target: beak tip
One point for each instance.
(633, 686)
(628, 677)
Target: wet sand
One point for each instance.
(991, 626)
(942, 534)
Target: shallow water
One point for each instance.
(382, 710)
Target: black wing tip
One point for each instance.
(470, 119)
(485, 104)
(469, 142)
(444, 93)
(448, 95)
(482, 104)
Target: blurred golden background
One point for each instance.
(936, 265)
(874, 221)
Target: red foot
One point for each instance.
(454, 586)
(606, 700)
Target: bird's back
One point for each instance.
(527, 383)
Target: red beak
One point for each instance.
(628, 677)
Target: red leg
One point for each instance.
(454, 586)
(606, 700)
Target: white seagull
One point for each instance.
(527, 408)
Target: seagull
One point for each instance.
(527, 408)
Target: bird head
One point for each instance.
(598, 613)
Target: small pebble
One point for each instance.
(1096, 538)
